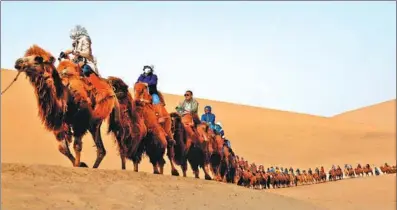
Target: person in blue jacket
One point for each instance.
(219, 130)
(208, 116)
(150, 79)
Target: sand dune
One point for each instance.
(36, 186)
(264, 136)
(374, 115)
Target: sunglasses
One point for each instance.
(187, 95)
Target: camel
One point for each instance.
(349, 172)
(339, 173)
(215, 149)
(247, 179)
(228, 165)
(160, 138)
(368, 170)
(386, 169)
(301, 178)
(359, 170)
(68, 105)
(131, 131)
(190, 144)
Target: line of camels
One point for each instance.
(71, 105)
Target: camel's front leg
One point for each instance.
(171, 157)
(63, 147)
(95, 131)
(77, 146)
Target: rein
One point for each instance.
(15, 79)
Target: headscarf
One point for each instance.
(78, 31)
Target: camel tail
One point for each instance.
(114, 118)
(114, 125)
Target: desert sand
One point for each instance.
(263, 136)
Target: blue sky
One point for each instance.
(320, 58)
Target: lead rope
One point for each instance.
(15, 79)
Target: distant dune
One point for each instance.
(381, 115)
(263, 136)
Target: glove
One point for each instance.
(62, 55)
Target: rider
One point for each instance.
(377, 173)
(298, 171)
(219, 130)
(277, 170)
(208, 116)
(285, 171)
(150, 79)
(189, 105)
(82, 51)
(310, 171)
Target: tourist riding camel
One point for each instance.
(208, 116)
(82, 51)
(377, 173)
(150, 79)
(219, 130)
(189, 106)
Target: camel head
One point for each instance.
(36, 60)
(119, 86)
(175, 120)
(141, 93)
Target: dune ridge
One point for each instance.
(260, 135)
(373, 115)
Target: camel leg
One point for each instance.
(63, 139)
(95, 131)
(122, 157)
(161, 164)
(136, 167)
(63, 147)
(171, 156)
(155, 166)
(206, 173)
(184, 167)
(195, 170)
(77, 146)
(122, 153)
(155, 169)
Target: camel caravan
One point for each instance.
(73, 100)
(72, 103)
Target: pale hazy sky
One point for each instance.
(319, 58)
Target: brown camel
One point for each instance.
(131, 130)
(160, 139)
(190, 144)
(68, 106)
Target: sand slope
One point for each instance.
(360, 193)
(264, 136)
(54, 187)
(374, 115)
